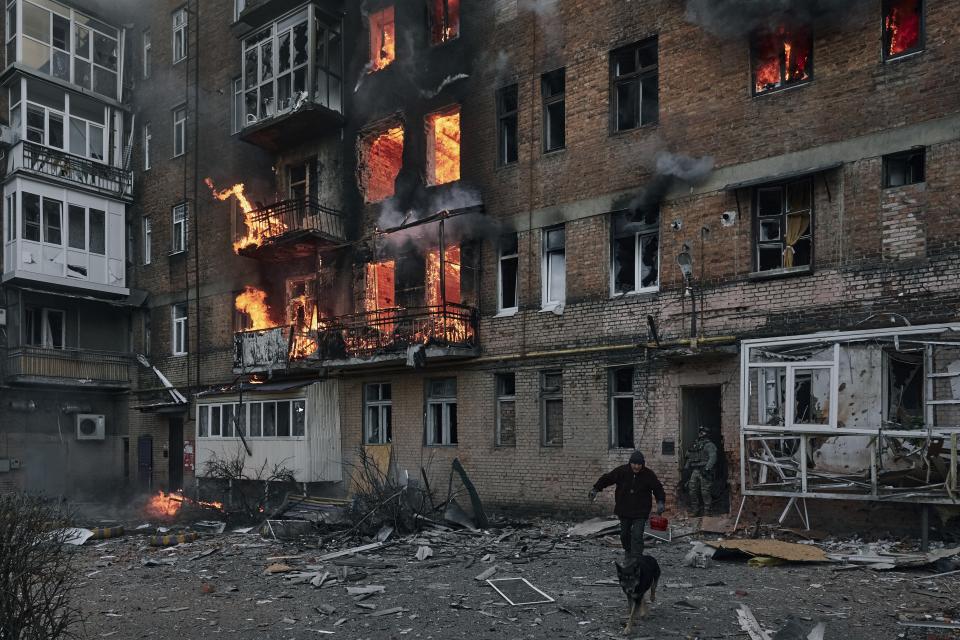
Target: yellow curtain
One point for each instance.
(797, 225)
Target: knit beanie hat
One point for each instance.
(637, 458)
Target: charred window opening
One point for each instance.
(507, 119)
(302, 302)
(636, 253)
(444, 290)
(506, 410)
(380, 292)
(383, 49)
(782, 57)
(783, 225)
(900, 169)
(508, 273)
(902, 27)
(441, 412)
(553, 90)
(443, 147)
(811, 396)
(634, 92)
(551, 408)
(904, 388)
(381, 158)
(621, 408)
(444, 20)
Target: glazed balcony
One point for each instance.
(289, 229)
(69, 367)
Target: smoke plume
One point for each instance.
(734, 18)
(668, 167)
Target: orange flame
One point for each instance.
(305, 327)
(253, 302)
(382, 161)
(259, 226)
(167, 505)
(787, 47)
(443, 140)
(383, 49)
(903, 26)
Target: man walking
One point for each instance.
(635, 483)
(701, 459)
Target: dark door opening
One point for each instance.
(175, 450)
(145, 462)
(703, 406)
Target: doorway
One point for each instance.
(704, 406)
(145, 462)
(175, 455)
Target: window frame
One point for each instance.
(638, 76)
(550, 100)
(449, 429)
(42, 315)
(613, 395)
(756, 226)
(648, 229)
(239, 6)
(904, 156)
(147, 140)
(147, 50)
(504, 118)
(179, 341)
(443, 38)
(810, 68)
(885, 34)
(147, 226)
(501, 397)
(179, 131)
(550, 395)
(546, 268)
(501, 258)
(245, 412)
(384, 409)
(179, 28)
(237, 108)
(180, 215)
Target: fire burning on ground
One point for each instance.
(259, 227)
(167, 505)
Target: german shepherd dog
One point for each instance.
(638, 575)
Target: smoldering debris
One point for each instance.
(736, 18)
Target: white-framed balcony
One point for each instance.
(53, 164)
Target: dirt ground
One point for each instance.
(218, 586)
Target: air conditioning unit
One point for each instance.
(90, 426)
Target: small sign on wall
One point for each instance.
(189, 460)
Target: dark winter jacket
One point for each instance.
(633, 491)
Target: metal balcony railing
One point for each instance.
(392, 330)
(290, 216)
(76, 365)
(35, 158)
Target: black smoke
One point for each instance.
(668, 168)
(735, 18)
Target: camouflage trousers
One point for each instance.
(700, 490)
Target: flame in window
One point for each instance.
(253, 302)
(781, 57)
(902, 25)
(443, 147)
(381, 158)
(445, 20)
(383, 48)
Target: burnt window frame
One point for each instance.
(755, 231)
(645, 229)
(811, 63)
(549, 100)
(905, 156)
(638, 75)
(614, 394)
(885, 36)
(502, 396)
(432, 23)
(504, 117)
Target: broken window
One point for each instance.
(302, 302)
(782, 57)
(553, 88)
(443, 147)
(381, 158)
(904, 388)
(506, 410)
(328, 85)
(507, 279)
(45, 327)
(621, 408)
(447, 290)
(275, 67)
(382, 39)
(770, 386)
(811, 396)
(507, 119)
(635, 253)
(444, 20)
(634, 92)
(554, 267)
(902, 27)
(380, 293)
(441, 412)
(783, 225)
(551, 408)
(378, 413)
(904, 168)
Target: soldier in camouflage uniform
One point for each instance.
(701, 460)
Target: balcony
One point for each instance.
(368, 338)
(289, 229)
(48, 162)
(69, 367)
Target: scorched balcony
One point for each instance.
(289, 228)
(47, 162)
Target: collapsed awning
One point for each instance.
(250, 387)
(163, 407)
(782, 177)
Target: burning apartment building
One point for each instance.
(535, 239)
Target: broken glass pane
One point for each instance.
(798, 196)
(769, 201)
(283, 53)
(650, 260)
(811, 393)
(624, 256)
(769, 257)
(770, 229)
